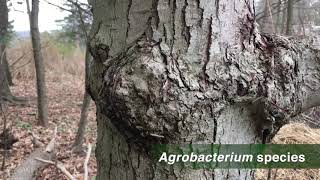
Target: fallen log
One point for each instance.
(28, 168)
(60, 166)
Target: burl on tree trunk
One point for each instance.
(190, 72)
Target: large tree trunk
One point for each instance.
(5, 92)
(38, 59)
(190, 72)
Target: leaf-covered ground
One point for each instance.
(65, 95)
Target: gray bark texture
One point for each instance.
(190, 72)
(39, 65)
(5, 92)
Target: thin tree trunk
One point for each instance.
(301, 20)
(39, 65)
(289, 17)
(284, 19)
(86, 97)
(82, 123)
(268, 18)
(7, 70)
(5, 92)
(190, 72)
(278, 26)
(271, 16)
(84, 109)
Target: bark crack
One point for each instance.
(183, 80)
(207, 52)
(174, 8)
(201, 10)
(110, 160)
(128, 17)
(217, 9)
(155, 13)
(185, 29)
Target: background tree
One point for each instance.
(38, 59)
(7, 69)
(6, 38)
(84, 109)
(303, 15)
(268, 24)
(76, 25)
(5, 92)
(289, 17)
(190, 72)
(75, 29)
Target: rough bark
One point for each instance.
(84, 108)
(39, 65)
(190, 72)
(5, 92)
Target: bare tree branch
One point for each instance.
(59, 165)
(86, 161)
(60, 7)
(50, 146)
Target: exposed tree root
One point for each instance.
(13, 100)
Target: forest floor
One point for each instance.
(65, 98)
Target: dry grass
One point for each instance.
(56, 65)
(295, 133)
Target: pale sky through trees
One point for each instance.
(47, 15)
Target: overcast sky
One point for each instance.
(47, 15)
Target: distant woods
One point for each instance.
(289, 17)
(74, 33)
